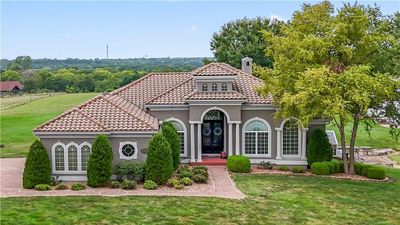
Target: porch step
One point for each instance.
(210, 161)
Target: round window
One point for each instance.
(206, 131)
(217, 131)
(128, 150)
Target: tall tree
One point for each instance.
(322, 68)
(240, 38)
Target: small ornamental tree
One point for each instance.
(172, 136)
(318, 148)
(159, 166)
(99, 169)
(37, 166)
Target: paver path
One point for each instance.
(219, 185)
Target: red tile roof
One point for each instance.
(124, 108)
(10, 85)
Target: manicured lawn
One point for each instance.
(271, 200)
(380, 137)
(395, 158)
(17, 123)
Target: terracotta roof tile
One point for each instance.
(175, 95)
(10, 85)
(214, 69)
(231, 95)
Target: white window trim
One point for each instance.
(122, 156)
(184, 134)
(204, 87)
(269, 138)
(65, 147)
(80, 155)
(214, 85)
(299, 128)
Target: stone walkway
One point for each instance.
(219, 185)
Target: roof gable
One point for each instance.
(10, 85)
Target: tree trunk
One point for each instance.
(356, 121)
(343, 144)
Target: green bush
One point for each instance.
(283, 168)
(172, 182)
(318, 148)
(37, 166)
(201, 172)
(331, 166)
(183, 168)
(150, 185)
(320, 168)
(374, 172)
(128, 184)
(201, 168)
(42, 187)
(239, 163)
(115, 184)
(337, 165)
(186, 181)
(298, 169)
(78, 187)
(130, 170)
(159, 167)
(198, 178)
(61, 187)
(358, 168)
(266, 165)
(185, 173)
(179, 186)
(169, 132)
(365, 168)
(99, 169)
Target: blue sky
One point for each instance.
(48, 29)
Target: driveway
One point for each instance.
(219, 185)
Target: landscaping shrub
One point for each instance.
(78, 187)
(128, 184)
(185, 173)
(201, 172)
(239, 163)
(186, 181)
(42, 187)
(283, 168)
(318, 148)
(61, 187)
(331, 166)
(159, 167)
(169, 132)
(172, 182)
(130, 170)
(374, 172)
(150, 185)
(179, 186)
(365, 168)
(358, 168)
(99, 169)
(55, 181)
(115, 184)
(183, 168)
(320, 168)
(198, 178)
(200, 168)
(37, 166)
(298, 169)
(337, 165)
(266, 165)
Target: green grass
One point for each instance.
(380, 137)
(271, 200)
(18, 122)
(395, 158)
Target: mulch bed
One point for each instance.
(343, 176)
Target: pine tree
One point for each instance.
(172, 136)
(159, 166)
(318, 148)
(100, 162)
(37, 166)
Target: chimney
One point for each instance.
(246, 65)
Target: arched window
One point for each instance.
(214, 87)
(290, 141)
(72, 158)
(59, 158)
(181, 132)
(204, 87)
(256, 137)
(224, 87)
(85, 152)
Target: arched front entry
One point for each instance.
(213, 132)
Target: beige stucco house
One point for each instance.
(215, 108)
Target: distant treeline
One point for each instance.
(86, 75)
(141, 64)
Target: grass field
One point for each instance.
(8, 102)
(380, 137)
(18, 122)
(271, 200)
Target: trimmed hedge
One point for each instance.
(37, 166)
(172, 136)
(337, 165)
(239, 163)
(283, 168)
(374, 172)
(365, 168)
(78, 187)
(42, 187)
(318, 148)
(298, 169)
(100, 168)
(159, 165)
(358, 168)
(331, 167)
(150, 185)
(320, 168)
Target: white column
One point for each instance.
(304, 144)
(230, 151)
(278, 143)
(237, 139)
(192, 159)
(199, 158)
